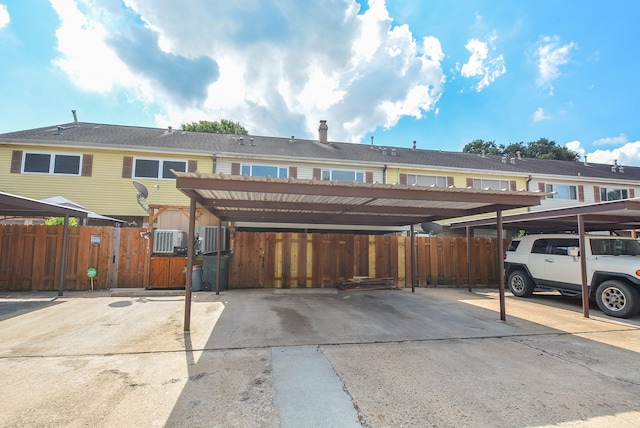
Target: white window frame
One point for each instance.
(491, 183)
(573, 195)
(433, 180)
(624, 193)
(279, 168)
(160, 167)
(328, 174)
(52, 163)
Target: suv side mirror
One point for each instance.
(573, 251)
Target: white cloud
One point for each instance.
(86, 58)
(5, 19)
(481, 64)
(628, 154)
(540, 115)
(614, 141)
(276, 69)
(550, 56)
(576, 146)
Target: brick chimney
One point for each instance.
(322, 131)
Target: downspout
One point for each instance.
(384, 174)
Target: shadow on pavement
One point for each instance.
(14, 308)
(419, 351)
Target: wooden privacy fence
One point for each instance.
(289, 260)
(30, 259)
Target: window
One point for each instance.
(52, 163)
(264, 171)
(615, 247)
(562, 191)
(609, 194)
(343, 175)
(540, 246)
(561, 246)
(483, 183)
(157, 168)
(513, 245)
(427, 180)
(558, 247)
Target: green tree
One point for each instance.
(546, 149)
(225, 126)
(542, 148)
(56, 221)
(486, 147)
(512, 150)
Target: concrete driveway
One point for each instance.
(437, 357)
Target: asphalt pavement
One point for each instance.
(267, 358)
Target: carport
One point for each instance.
(19, 206)
(603, 216)
(259, 199)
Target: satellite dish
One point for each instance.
(143, 193)
(431, 227)
(142, 190)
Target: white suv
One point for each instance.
(552, 262)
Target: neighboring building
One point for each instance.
(95, 166)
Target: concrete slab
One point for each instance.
(306, 387)
(437, 357)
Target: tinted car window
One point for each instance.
(560, 246)
(513, 245)
(540, 246)
(615, 247)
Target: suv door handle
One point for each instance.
(550, 260)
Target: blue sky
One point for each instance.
(441, 72)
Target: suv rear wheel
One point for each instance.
(617, 299)
(520, 284)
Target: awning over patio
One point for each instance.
(259, 199)
(602, 216)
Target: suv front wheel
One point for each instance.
(520, 284)
(617, 299)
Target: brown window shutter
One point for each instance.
(581, 193)
(235, 168)
(192, 165)
(317, 173)
(512, 185)
(369, 177)
(16, 161)
(293, 172)
(469, 182)
(403, 178)
(127, 167)
(542, 187)
(632, 193)
(87, 165)
(596, 193)
(449, 181)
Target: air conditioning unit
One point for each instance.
(209, 239)
(165, 241)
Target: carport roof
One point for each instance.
(612, 215)
(258, 199)
(19, 206)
